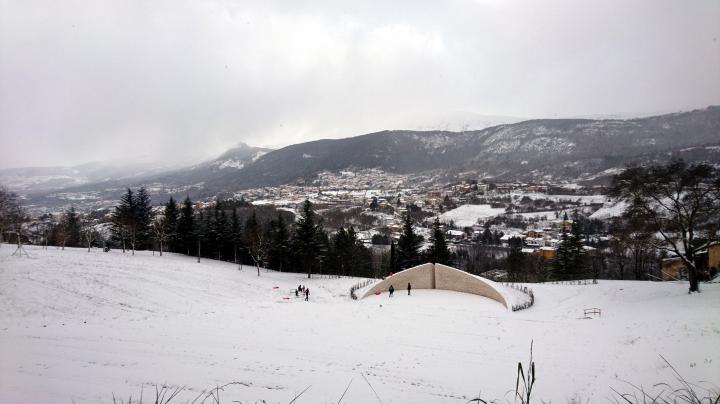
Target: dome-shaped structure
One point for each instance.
(438, 276)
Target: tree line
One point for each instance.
(673, 210)
(237, 231)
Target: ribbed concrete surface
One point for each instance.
(448, 278)
(420, 277)
(438, 276)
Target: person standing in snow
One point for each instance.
(391, 290)
(307, 294)
(409, 287)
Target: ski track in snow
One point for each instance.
(79, 326)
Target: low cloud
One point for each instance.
(181, 81)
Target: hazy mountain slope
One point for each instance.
(226, 165)
(536, 150)
(40, 179)
(557, 148)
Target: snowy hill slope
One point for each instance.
(79, 326)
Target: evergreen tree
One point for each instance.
(220, 232)
(200, 232)
(142, 218)
(393, 257)
(280, 245)
(235, 234)
(374, 204)
(170, 224)
(579, 267)
(563, 262)
(408, 245)
(438, 252)
(342, 251)
(487, 237)
(515, 260)
(323, 252)
(360, 258)
(306, 239)
(132, 218)
(123, 220)
(186, 228)
(208, 234)
(497, 237)
(72, 228)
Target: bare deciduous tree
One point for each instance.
(681, 202)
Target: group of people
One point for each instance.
(391, 289)
(303, 290)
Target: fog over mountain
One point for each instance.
(543, 151)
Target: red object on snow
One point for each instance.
(276, 287)
(377, 293)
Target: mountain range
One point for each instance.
(541, 150)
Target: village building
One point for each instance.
(707, 263)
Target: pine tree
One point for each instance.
(393, 257)
(306, 242)
(235, 234)
(186, 227)
(143, 218)
(579, 267)
(342, 250)
(360, 257)
(280, 245)
(220, 230)
(208, 242)
(124, 220)
(73, 228)
(374, 203)
(438, 252)
(170, 224)
(323, 252)
(563, 261)
(515, 260)
(408, 245)
(67, 230)
(200, 232)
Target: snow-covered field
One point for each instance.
(584, 199)
(468, 215)
(78, 326)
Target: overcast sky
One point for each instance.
(179, 81)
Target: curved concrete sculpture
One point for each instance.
(438, 276)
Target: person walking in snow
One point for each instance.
(391, 290)
(307, 294)
(409, 287)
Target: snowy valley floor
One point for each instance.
(78, 326)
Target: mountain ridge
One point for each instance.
(536, 150)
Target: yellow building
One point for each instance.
(708, 263)
(548, 253)
(714, 257)
(673, 269)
